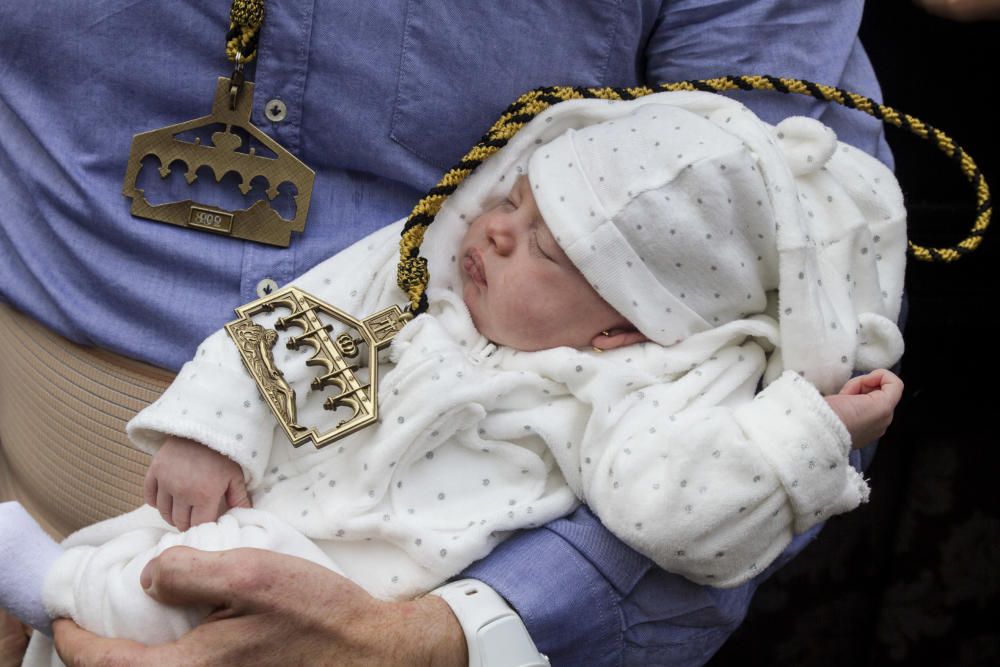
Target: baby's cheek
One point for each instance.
(543, 322)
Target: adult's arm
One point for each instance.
(532, 569)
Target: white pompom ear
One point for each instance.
(806, 143)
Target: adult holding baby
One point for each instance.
(677, 42)
(714, 479)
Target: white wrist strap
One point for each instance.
(495, 633)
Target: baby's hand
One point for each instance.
(191, 484)
(865, 405)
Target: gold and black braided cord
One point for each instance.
(245, 19)
(413, 275)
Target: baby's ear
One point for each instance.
(615, 339)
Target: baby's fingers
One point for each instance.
(206, 512)
(862, 384)
(149, 486)
(892, 387)
(236, 494)
(165, 504)
(866, 384)
(181, 513)
(853, 386)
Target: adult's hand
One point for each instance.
(274, 609)
(13, 641)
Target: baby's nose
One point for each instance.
(502, 233)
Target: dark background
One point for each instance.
(913, 578)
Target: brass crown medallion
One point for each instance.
(260, 222)
(342, 356)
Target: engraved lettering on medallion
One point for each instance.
(216, 221)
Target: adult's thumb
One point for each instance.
(187, 576)
(235, 581)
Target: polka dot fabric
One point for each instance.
(673, 446)
(684, 212)
(666, 214)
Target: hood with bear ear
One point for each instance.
(666, 214)
(685, 211)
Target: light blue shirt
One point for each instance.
(381, 98)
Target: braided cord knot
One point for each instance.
(245, 19)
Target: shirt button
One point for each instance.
(266, 286)
(275, 110)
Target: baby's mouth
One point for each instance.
(473, 266)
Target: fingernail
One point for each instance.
(146, 577)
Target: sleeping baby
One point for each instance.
(636, 305)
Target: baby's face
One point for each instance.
(520, 287)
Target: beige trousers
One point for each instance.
(63, 408)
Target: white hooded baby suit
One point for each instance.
(748, 253)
